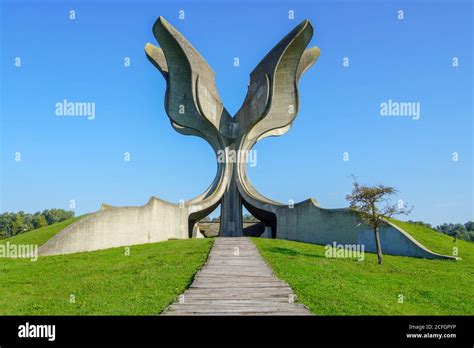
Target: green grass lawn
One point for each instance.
(103, 282)
(108, 282)
(349, 287)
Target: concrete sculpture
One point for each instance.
(195, 108)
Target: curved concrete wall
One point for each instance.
(113, 227)
(306, 222)
(159, 221)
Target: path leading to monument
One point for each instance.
(236, 281)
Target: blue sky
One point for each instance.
(82, 60)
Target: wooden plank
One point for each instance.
(236, 281)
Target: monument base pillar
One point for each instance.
(231, 212)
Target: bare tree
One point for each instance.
(373, 207)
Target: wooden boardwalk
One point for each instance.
(236, 281)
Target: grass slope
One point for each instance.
(348, 287)
(103, 282)
(434, 240)
(40, 235)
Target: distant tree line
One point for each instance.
(12, 224)
(458, 231)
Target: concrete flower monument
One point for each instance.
(194, 107)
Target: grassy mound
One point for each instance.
(434, 240)
(349, 287)
(40, 235)
(105, 282)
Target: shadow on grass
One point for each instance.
(291, 252)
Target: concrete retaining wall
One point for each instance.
(113, 227)
(306, 222)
